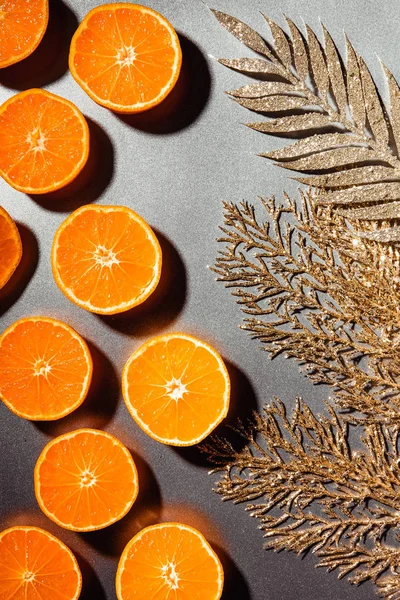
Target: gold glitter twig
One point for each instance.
(312, 291)
(316, 493)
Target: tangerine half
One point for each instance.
(45, 368)
(10, 247)
(85, 480)
(22, 27)
(169, 561)
(35, 565)
(106, 259)
(177, 388)
(44, 141)
(127, 57)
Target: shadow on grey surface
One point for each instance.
(235, 586)
(166, 302)
(16, 285)
(91, 182)
(185, 102)
(146, 511)
(50, 59)
(91, 585)
(100, 404)
(243, 403)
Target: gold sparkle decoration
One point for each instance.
(314, 292)
(317, 494)
(350, 141)
(318, 279)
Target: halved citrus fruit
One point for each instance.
(169, 561)
(127, 57)
(45, 369)
(176, 388)
(10, 247)
(85, 480)
(35, 565)
(22, 26)
(44, 141)
(106, 259)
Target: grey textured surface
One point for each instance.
(173, 166)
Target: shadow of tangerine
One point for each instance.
(50, 59)
(16, 285)
(91, 182)
(91, 585)
(166, 302)
(235, 584)
(185, 102)
(99, 406)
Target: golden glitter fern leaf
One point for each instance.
(350, 142)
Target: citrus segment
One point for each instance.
(169, 561)
(176, 388)
(44, 141)
(22, 26)
(10, 247)
(85, 480)
(127, 57)
(35, 565)
(45, 368)
(106, 259)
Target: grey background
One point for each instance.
(173, 166)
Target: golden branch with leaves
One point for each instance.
(318, 279)
(314, 292)
(350, 140)
(318, 494)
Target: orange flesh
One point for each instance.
(22, 25)
(106, 259)
(35, 565)
(176, 388)
(45, 369)
(44, 141)
(85, 480)
(10, 247)
(169, 562)
(126, 56)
